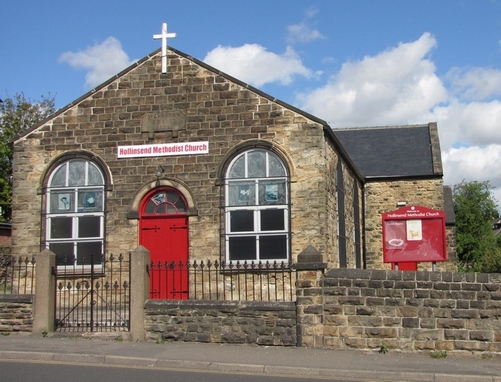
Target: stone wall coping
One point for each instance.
(311, 266)
(446, 277)
(17, 298)
(215, 304)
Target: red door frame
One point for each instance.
(163, 230)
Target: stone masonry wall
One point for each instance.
(382, 197)
(226, 114)
(407, 311)
(16, 313)
(235, 322)
(330, 230)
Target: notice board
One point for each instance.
(414, 233)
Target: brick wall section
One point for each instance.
(381, 197)
(408, 311)
(16, 313)
(225, 113)
(235, 322)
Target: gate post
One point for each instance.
(309, 298)
(45, 293)
(140, 290)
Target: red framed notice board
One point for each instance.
(414, 233)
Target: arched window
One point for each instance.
(257, 208)
(75, 213)
(167, 201)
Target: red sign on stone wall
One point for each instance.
(414, 234)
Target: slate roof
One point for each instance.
(393, 151)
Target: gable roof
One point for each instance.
(393, 151)
(327, 129)
(188, 57)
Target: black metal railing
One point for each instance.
(17, 274)
(94, 296)
(243, 281)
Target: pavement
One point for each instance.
(314, 363)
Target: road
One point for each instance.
(62, 372)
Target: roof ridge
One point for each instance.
(382, 127)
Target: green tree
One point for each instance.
(475, 209)
(17, 114)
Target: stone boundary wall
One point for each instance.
(235, 322)
(408, 311)
(16, 313)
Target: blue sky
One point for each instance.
(349, 62)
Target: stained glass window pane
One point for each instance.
(161, 209)
(90, 200)
(95, 176)
(256, 164)
(76, 174)
(59, 178)
(62, 202)
(272, 192)
(242, 194)
(172, 197)
(276, 167)
(238, 168)
(181, 205)
(159, 198)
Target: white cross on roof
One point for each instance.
(164, 35)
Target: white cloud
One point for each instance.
(396, 86)
(400, 86)
(303, 32)
(102, 61)
(253, 64)
(475, 83)
(472, 163)
(480, 122)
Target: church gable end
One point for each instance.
(191, 118)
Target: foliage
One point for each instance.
(383, 349)
(17, 115)
(438, 354)
(475, 209)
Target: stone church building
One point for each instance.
(194, 164)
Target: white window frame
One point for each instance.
(78, 208)
(257, 207)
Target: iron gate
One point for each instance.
(94, 296)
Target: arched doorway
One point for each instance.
(163, 230)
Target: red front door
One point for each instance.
(164, 232)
